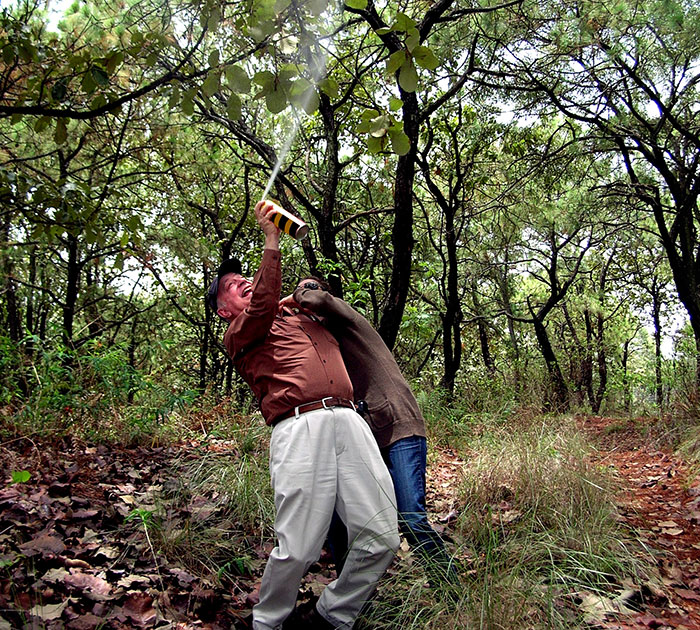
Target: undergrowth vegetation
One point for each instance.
(535, 536)
(93, 393)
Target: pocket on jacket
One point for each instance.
(380, 416)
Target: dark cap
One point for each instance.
(232, 265)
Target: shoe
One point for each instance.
(307, 620)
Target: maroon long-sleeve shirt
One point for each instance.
(287, 359)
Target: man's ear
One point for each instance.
(225, 313)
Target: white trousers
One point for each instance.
(320, 461)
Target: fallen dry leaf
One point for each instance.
(45, 545)
(48, 612)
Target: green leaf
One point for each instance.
(309, 100)
(59, 89)
(41, 123)
(237, 79)
(88, 83)
(395, 104)
(395, 61)
(379, 125)
(113, 61)
(8, 54)
(214, 19)
(403, 23)
(264, 78)
(329, 87)
(134, 223)
(99, 76)
(276, 101)
(214, 58)
(412, 39)
(375, 145)
(356, 4)
(98, 102)
(317, 7)
(425, 58)
(174, 97)
(187, 104)
(385, 30)
(211, 83)
(233, 106)
(61, 133)
(21, 476)
(408, 77)
(400, 144)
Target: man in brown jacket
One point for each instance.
(392, 413)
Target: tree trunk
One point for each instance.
(72, 286)
(560, 400)
(625, 376)
(587, 361)
(402, 232)
(597, 401)
(656, 315)
(452, 317)
(482, 330)
(502, 283)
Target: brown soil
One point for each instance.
(660, 501)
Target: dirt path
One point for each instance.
(661, 501)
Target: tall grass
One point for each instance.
(537, 532)
(219, 508)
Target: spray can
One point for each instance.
(288, 223)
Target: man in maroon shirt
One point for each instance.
(323, 456)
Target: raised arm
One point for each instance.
(252, 325)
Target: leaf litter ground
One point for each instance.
(661, 503)
(74, 551)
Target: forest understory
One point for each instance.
(81, 546)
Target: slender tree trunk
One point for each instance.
(625, 376)
(560, 400)
(133, 344)
(512, 334)
(13, 318)
(579, 360)
(402, 231)
(587, 361)
(656, 315)
(72, 285)
(482, 331)
(326, 223)
(452, 317)
(602, 366)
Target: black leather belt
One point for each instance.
(324, 403)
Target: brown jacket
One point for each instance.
(393, 410)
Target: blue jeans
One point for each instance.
(406, 461)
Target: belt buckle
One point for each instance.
(323, 401)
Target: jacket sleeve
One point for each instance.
(252, 325)
(324, 304)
